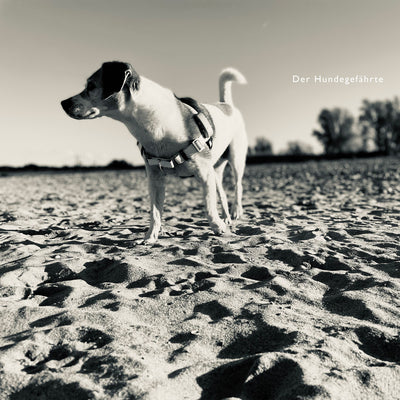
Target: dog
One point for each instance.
(169, 137)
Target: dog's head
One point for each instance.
(106, 91)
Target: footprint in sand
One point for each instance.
(225, 381)
(248, 230)
(57, 272)
(59, 319)
(297, 259)
(336, 299)
(103, 271)
(155, 284)
(59, 356)
(107, 297)
(203, 285)
(301, 235)
(115, 372)
(97, 338)
(228, 258)
(264, 338)
(378, 344)
(279, 378)
(185, 262)
(286, 255)
(183, 337)
(15, 292)
(213, 309)
(257, 273)
(53, 389)
(334, 263)
(343, 304)
(258, 378)
(56, 294)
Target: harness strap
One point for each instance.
(206, 127)
(196, 146)
(202, 117)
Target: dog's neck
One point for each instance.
(154, 118)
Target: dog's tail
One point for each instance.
(226, 78)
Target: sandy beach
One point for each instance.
(301, 300)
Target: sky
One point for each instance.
(49, 48)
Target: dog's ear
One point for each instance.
(115, 75)
(133, 80)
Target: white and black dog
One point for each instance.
(175, 135)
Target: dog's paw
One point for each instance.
(146, 242)
(218, 227)
(237, 212)
(148, 239)
(227, 220)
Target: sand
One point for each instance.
(300, 301)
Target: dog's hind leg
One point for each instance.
(219, 175)
(208, 180)
(237, 161)
(157, 194)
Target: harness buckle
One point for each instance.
(166, 164)
(199, 144)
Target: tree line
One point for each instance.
(377, 128)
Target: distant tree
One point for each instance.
(119, 164)
(336, 130)
(383, 119)
(366, 136)
(396, 134)
(297, 148)
(262, 146)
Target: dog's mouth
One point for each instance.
(78, 110)
(92, 113)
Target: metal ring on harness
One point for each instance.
(206, 127)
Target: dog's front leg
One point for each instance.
(208, 180)
(219, 174)
(157, 194)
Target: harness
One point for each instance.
(206, 127)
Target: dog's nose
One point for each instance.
(66, 104)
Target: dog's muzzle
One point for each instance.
(77, 111)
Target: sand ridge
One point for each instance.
(299, 301)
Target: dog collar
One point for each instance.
(206, 127)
